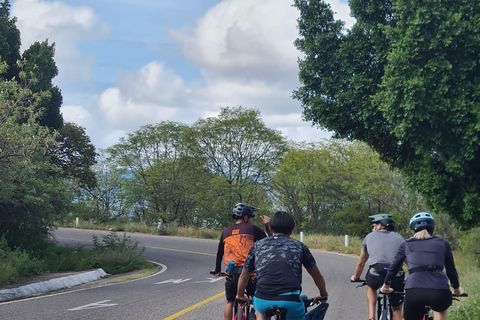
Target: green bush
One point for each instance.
(16, 264)
(115, 255)
(469, 248)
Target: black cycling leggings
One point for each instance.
(416, 299)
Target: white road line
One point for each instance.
(95, 305)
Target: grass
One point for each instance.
(113, 254)
(467, 308)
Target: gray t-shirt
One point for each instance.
(381, 246)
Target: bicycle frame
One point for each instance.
(384, 312)
(427, 316)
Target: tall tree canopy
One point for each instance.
(32, 192)
(9, 41)
(405, 79)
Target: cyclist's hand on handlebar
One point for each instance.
(320, 298)
(215, 273)
(459, 292)
(386, 290)
(242, 300)
(354, 279)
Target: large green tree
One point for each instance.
(405, 80)
(161, 180)
(33, 193)
(242, 153)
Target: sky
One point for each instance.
(125, 64)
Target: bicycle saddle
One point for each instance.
(275, 311)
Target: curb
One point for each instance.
(40, 288)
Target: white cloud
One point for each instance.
(245, 51)
(154, 94)
(66, 26)
(76, 114)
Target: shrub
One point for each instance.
(115, 255)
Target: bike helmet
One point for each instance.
(240, 210)
(386, 220)
(422, 220)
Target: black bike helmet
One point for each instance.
(422, 220)
(240, 210)
(386, 220)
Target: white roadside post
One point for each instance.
(76, 222)
(346, 240)
(301, 236)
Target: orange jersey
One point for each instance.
(236, 241)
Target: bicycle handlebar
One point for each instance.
(221, 273)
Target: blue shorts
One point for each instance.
(296, 310)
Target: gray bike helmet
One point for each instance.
(386, 220)
(240, 210)
(422, 220)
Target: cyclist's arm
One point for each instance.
(242, 284)
(258, 233)
(220, 252)
(450, 268)
(319, 281)
(362, 260)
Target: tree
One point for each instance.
(75, 154)
(39, 62)
(160, 177)
(241, 152)
(9, 41)
(405, 80)
(32, 192)
(333, 187)
(105, 200)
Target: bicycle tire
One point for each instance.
(385, 315)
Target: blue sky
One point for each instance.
(123, 64)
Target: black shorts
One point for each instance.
(232, 285)
(416, 300)
(398, 283)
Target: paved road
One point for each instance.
(183, 288)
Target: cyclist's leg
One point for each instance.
(441, 301)
(440, 315)
(228, 312)
(396, 300)
(373, 282)
(414, 304)
(230, 294)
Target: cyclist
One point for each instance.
(277, 261)
(426, 283)
(379, 248)
(234, 244)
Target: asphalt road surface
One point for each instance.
(183, 289)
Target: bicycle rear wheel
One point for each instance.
(385, 315)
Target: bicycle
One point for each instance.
(384, 311)
(316, 314)
(427, 316)
(244, 312)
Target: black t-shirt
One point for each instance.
(278, 261)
